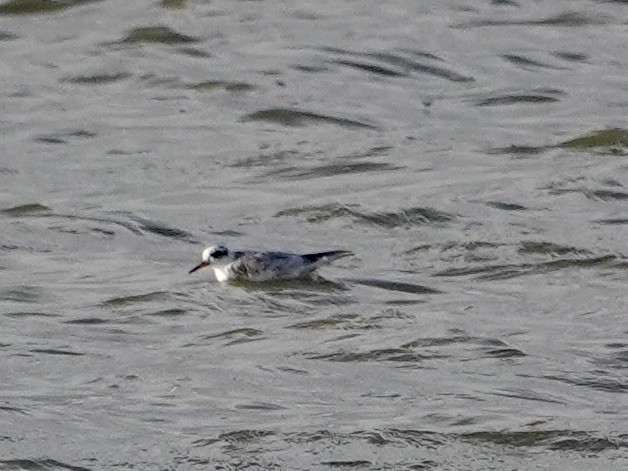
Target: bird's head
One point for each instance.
(214, 255)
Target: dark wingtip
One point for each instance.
(331, 255)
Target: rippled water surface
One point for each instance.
(473, 156)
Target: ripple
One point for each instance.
(453, 245)
(407, 356)
(439, 341)
(319, 324)
(387, 448)
(175, 312)
(600, 195)
(507, 271)
(397, 355)
(330, 170)
(396, 286)
(136, 299)
(349, 321)
(56, 351)
(565, 440)
(234, 337)
(21, 314)
(572, 56)
(87, 321)
(350, 464)
(608, 141)
(222, 84)
(408, 217)
(403, 64)
(525, 63)
(607, 195)
(568, 19)
(519, 150)
(260, 406)
(174, 4)
(311, 69)
(597, 382)
(617, 358)
(584, 442)
(34, 7)
(98, 79)
(245, 331)
(236, 437)
(506, 206)
(165, 231)
(24, 209)
(504, 353)
(374, 69)
(305, 286)
(515, 99)
(405, 437)
(6, 36)
(613, 221)
(294, 117)
(548, 248)
(486, 347)
(194, 52)
(156, 35)
(607, 138)
(65, 137)
(22, 294)
(72, 217)
(139, 226)
(527, 395)
(531, 438)
(41, 465)
(13, 409)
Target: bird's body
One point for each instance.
(250, 265)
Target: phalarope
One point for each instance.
(250, 265)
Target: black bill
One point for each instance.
(199, 266)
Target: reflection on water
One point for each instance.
(472, 158)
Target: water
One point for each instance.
(472, 155)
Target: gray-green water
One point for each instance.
(471, 154)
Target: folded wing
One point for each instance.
(257, 266)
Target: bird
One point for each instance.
(251, 265)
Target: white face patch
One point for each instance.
(206, 254)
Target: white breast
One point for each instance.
(221, 273)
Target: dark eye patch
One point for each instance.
(219, 252)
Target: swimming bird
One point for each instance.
(250, 265)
